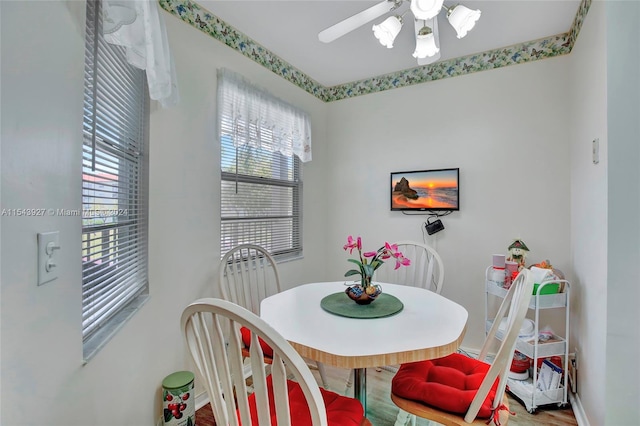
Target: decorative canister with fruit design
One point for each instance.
(179, 407)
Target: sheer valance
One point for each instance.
(138, 26)
(254, 117)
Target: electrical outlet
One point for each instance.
(48, 246)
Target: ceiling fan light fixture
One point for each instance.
(426, 9)
(387, 31)
(462, 19)
(425, 44)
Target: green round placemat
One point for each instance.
(340, 304)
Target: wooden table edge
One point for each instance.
(370, 361)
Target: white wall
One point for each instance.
(43, 380)
(605, 235)
(506, 129)
(588, 121)
(41, 153)
(622, 387)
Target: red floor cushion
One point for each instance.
(341, 410)
(246, 339)
(447, 383)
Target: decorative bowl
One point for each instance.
(360, 296)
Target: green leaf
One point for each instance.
(352, 272)
(369, 269)
(189, 422)
(357, 262)
(167, 415)
(378, 264)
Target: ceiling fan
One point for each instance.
(425, 13)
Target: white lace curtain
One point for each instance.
(251, 116)
(138, 26)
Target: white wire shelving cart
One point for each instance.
(528, 390)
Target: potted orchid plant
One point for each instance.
(367, 263)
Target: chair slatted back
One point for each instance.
(217, 355)
(513, 307)
(247, 275)
(426, 269)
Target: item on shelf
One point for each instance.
(526, 330)
(549, 377)
(510, 274)
(545, 264)
(518, 252)
(555, 360)
(520, 364)
(519, 376)
(497, 276)
(541, 275)
(546, 335)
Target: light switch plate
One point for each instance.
(596, 150)
(48, 248)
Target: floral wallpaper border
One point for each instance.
(200, 18)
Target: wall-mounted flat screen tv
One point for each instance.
(425, 190)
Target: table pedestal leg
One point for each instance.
(360, 386)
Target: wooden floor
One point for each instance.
(382, 412)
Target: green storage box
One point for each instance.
(551, 288)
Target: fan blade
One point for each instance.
(433, 24)
(355, 21)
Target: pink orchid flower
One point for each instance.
(351, 244)
(401, 261)
(369, 261)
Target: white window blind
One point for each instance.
(261, 179)
(114, 186)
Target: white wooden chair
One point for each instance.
(426, 269)
(211, 328)
(406, 384)
(247, 275)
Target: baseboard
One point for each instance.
(578, 409)
(201, 400)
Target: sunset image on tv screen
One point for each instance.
(426, 190)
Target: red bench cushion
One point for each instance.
(341, 410)
(447, 383)
(246, 339)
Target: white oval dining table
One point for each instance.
(429, 326)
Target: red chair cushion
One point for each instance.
(246, 339)
(341, 410)
(447, 383)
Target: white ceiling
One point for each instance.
(290, 30)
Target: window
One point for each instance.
(262, 142)
(114, 187)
